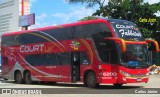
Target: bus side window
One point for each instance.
(61, 33)
(8, 40)
(82, 31)
(105, 56)
(63, 58)
(114, 56)
(84, 60)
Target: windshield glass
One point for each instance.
(135, 56)
(126, 30)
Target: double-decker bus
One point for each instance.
(100, 51)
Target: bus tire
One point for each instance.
(27, 78)
(91, 80)
(117, 85)
(18, 77)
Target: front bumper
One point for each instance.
(134, 79)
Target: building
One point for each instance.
(10, 10)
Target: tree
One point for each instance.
(135, 11)
(91, 3)
(132, 10)
(88, 18)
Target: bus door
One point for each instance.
(75, 66)
(108, 52)
(110, 66)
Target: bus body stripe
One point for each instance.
(89, 49)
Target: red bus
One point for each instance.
(93, 52)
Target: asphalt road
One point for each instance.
(78, 90)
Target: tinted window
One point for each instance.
(98, 30)
(107, 51)
(61, 33)
(91, 30)
(48, 59)
(84, 60)
(38, 36)
(44, 36)
(63, 58)
(114, 56)
(28, 38)
(25, 38)
(8, 40)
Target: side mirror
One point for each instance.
(121, 41)
(155, 43)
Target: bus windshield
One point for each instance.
(135, 56)
(126, 30)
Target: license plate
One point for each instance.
(139, 79)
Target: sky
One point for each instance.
(56, 12)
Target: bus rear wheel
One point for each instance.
(91, 80)
(18, 77)
(27, 78)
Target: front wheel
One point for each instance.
(91, 80)
(27, 78)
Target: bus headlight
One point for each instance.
(125, 73)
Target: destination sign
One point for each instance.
(126, 30)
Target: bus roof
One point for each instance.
(61, 26)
